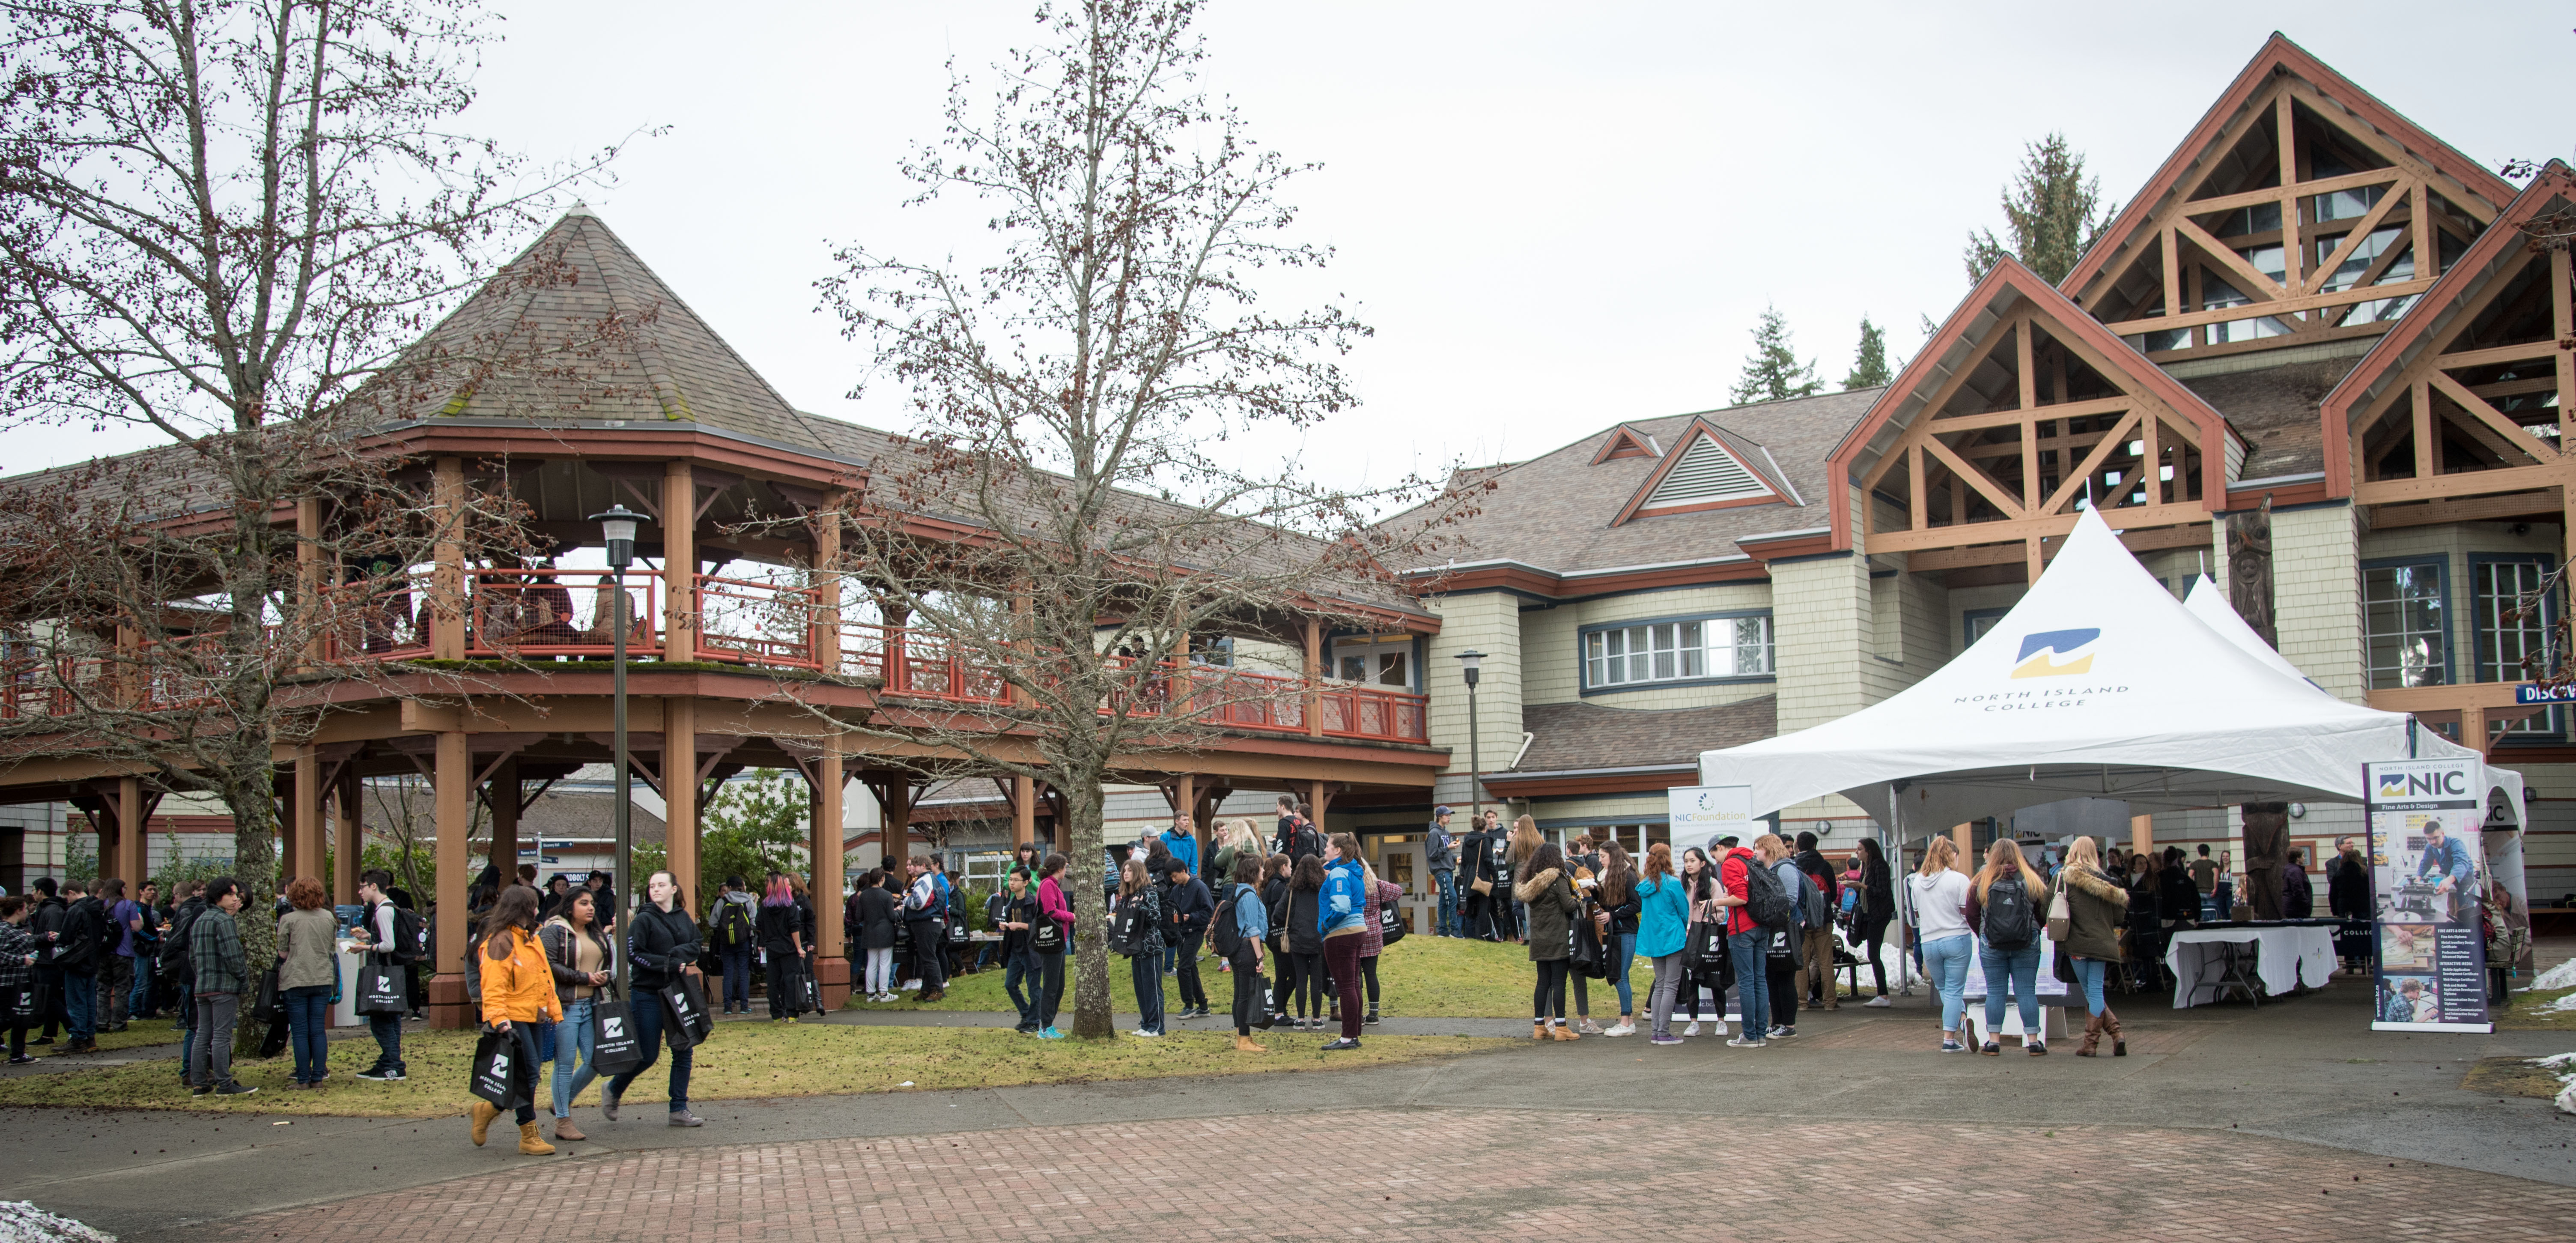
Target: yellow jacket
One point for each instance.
(521, 987)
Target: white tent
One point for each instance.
(2098, 684)
(2210, 605)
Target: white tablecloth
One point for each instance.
(2287, 958)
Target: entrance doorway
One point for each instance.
(1399, 863)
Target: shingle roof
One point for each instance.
(1577, 737)
(2275, 409)
(578, 330)
(1554, 511)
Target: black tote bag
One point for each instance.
(263, 1005)
(492, 1081)
(614, 1048)
(684, 1005)
(381, 989)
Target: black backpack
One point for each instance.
(2010, 923)
(733, 926)
(1764, 899)
(1222, 932)
(174, 944)
(411, 937)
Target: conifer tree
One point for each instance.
(1774, 373)
(1869, 367)
(2050, 212)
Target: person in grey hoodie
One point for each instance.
(1440, 858)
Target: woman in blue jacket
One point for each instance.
(1341, 915)
(1251, 920)
(1663, 921)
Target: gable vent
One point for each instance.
(1707, 472)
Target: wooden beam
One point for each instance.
(2427, 459)
(2428, 250)
(823, 852)
(2073, 481)
(2321, 185)
(2265, 289)
(451, 800)
(679, 588)
(2499, 353)
(2514, 433)
(1975, 478)
(2173, 271)
(2278, 306)
(2536, 503)
(2284, 123)
(447, 580)
(2468, 483)
(2048, 525)
(1917, 503)
(2352, 241)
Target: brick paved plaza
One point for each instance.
(1457, 1173)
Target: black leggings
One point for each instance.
(1368, 976)
(1873, 932)
(1306, 994)
(1051, 987)
(1247, 994)
(1548, 998)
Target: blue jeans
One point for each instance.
(737, 978)
(1148, 968)
(308, 1019)
(1623, 955)
(573, 1039)
(649, 1015)
(138, 1000)
(80, 1007)
(1445, 922)
(1946, 961)
(1753, 987)
(2088, 976)
(387, 1029)
(2020, 968)
(1020, 980)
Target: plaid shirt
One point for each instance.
(215, 954)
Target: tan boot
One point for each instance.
(565, 1130)
(1538, 1031)
(533, 1144)
(1564, 1032)
(2111, 1026)
(2092, 1037)
(484, 1113)
(1244, 1044)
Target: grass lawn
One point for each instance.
(137, 1034)
(742, 1060)
(1418, 977)
(2530, 1012)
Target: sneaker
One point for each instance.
(201, 1090)
(1372, 1017)
(21, 1060)
(1667, 1039)
(1145, 1032)
(2037, 1048)
(396, 1075)
(608, 1102)
(1991, 1049)
(377, 1073)
(1693, 1029)
(1624, 1029)
(1741, 1043)
(682, 1117)
(1783, 1032)
(1879, 1002)
(1586, 1027)
(1953, 1046)
(909, 985)
(1050, 1034)
(1343, 1043)
(236, 1089)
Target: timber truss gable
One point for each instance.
(2300, 211)
(2019, 414)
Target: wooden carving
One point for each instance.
(2249, 568)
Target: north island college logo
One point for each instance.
(2392, 786)
(2055, 653)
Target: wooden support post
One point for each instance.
(1965, 837)
(305, 859)
(452, 793)
(827, 582)
(133, 854)
(1024, 811)
(501, 794)
(2428, 462)
(680, 589)
(1314, 680)
(2142, 834)
(2034, 561)
(2291, 259)
(308, 578)
(447, 581)
(2473, 728)
(831, 961)
(894, 820)
(680, 795)
(1319, 796)
(349, 838)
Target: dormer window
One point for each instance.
(1706, 474)
(1627, 442)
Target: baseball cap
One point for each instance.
(1725, 843)
(1441, 810)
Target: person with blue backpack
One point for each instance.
(2004, 911)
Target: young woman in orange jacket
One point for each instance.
(518, 995)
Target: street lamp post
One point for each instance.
(617, 525)
(1468, 661)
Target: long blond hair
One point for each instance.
(2084, 854)
(1525, 839)
(1939, 857)
(2002, 855)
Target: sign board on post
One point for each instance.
(2426, 867)
(1700, 813)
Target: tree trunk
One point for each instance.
(1093, 1017)
(254, 811)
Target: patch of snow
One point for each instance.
(2555, 1060)
(2567, 1002)
(2567, 1098)
(2561, 976)
(22, 1222)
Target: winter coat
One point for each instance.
(1439, 850)
(16, 947)
(557, 935)
(1344, 903)
(2298, 897)
(1187, 907)
(660, 945)
(2348, 887)
(1550, 899)
(520, 987)
(1664, 916)
(2094, 906)
(778, 927)
(2178, 896)
(1052, 902)
(84, 922)
(876, 918)
(215, 954)
(1305, 932)
(306, 943)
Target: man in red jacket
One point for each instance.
(1748, 946)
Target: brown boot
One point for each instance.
(2111, 1025)
(2092, 1037)
(1563, 1032)
(484, 1113)
(1538, 1031)
(565, 1130)
(533, 1144)
(1244, 1044)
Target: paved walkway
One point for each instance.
(2222, 1123)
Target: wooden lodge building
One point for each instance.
(2313, 306)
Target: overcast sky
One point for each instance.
(1556, 216)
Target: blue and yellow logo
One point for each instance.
(2054, 653)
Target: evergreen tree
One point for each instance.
(2050, 212)
(1774, 373)
(1869, 363)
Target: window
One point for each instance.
(2406, 628)
(2496, 590)
(1976, 622)
(1677, 651)
(1706, 473)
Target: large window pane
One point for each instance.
(2404, 625)
(1677, 651)
(2508, 630)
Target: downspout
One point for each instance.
(1526, 739)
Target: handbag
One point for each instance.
(813, 994)
(1586, 950)
(263, 1005)
(1391, 924)
(785, 981)
(1047, 936)
(2061, 917)
(1481, 885)
(380, 989)
(1704, 948)
(686, 1006)
(20, 1004)
(614, 1047)
(490, 1078)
